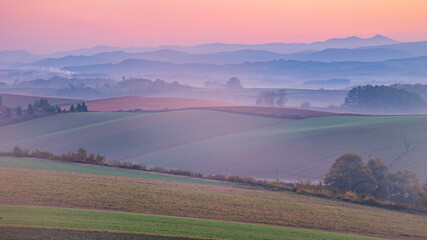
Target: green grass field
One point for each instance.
(79, 219)
(41, 164)
(77, 190)
(216, 142)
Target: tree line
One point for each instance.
(81, 156)
(273, 98)
(79, 108)
(375, 99)
(42, 107)
(349, 179)
(350, 175)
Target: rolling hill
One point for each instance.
(217, 142)
(416, 49)
(149, 103)
(361, 55)
(68, 61)
(15, 100)
(17, 56)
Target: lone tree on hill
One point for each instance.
(72, 108)
(234, 83)
(8, 112)
(406, 186)
(30, 109)
(19, 111)
(84, 107)
(382, 183)
(271, 98)
(282, 96)
(349, 173)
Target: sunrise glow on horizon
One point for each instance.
(45, 26)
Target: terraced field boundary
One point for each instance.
(42, 164)
(121, 222)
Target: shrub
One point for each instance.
(350, 195)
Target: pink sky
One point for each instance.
(45, 26)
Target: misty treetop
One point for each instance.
(383, 99)
(233, 83)
(79, 108)
(420, 89)
(39, 108)
(274, 97)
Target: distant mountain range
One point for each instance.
(21, 56)
(378, 58)
(390, 70)
(18, 56)
(286, 48)
(371, 54)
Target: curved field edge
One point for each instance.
(41, 164)
(150, 103)
(80, 219)
(32, 233)
(90, 191)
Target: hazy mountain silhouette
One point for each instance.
(414, 48)
(68, 61)
(349, 42)
(363, 55)
(327, 55)
(85, 51)
(408, 68)
(239, 53)
(167, 55)
(17, 56)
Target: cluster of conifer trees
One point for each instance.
(79, 108)
(374, 99)
(43, 107)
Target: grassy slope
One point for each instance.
(303, 149)
(149, 103)
(32, 233)
(152, 224)
(77, 190)
(217, 142)
(99, 170)
(15, 100)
